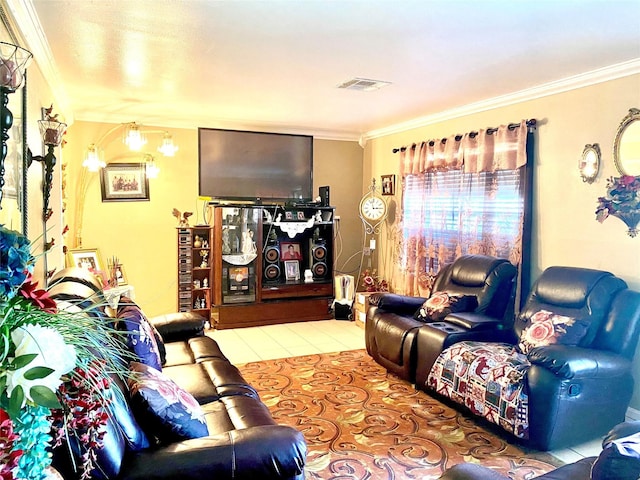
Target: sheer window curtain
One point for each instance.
(468, 194)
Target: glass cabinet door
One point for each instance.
(239, 230)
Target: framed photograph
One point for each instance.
(290, 251)
(88, 258)
(288, 215)
(124, 182)
(292, 269)
(388, 184)
(121, 278)
(301, 216)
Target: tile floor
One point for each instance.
(252, 344)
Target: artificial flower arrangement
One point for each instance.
(622, 200)
(372, 283)
(52, 380)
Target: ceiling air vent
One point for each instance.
(363, 84)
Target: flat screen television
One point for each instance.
(259, 167)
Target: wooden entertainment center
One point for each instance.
(248, 267)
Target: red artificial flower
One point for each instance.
(37, 297)
(8, 457)
(627, 180)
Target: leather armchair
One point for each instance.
(575, 392)
(619, 460)
(391, 330)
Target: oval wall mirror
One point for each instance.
(626, 146)
(590, 163)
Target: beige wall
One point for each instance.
(565, 231)
(143, 234)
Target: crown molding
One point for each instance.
(192, 123)
(25, 19)
(586, 79)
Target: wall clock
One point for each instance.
(373, 209)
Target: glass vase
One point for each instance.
(631, 220)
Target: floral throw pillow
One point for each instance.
(548, 328)
(441, 304)
(140, 337)
(162, 408)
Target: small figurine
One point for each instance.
(184, 220)
(204, 254)
(205, 283)
(196, 304)
(226, 246)
(196, 283)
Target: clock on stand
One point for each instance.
(373, 210)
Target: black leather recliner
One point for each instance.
(575, 392)
(390, 329)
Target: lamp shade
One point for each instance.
(133, 137)
(152, 170)
(52, 131)
(167, 148)
(13, 63)
(93, 159)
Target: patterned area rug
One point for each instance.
(362, 423)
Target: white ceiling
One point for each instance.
(275, 65)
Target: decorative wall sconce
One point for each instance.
(13, 64)
(52, 131)
(589, 164)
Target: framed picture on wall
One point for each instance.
(388, 184)
(124, 182)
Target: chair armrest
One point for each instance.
(622, 430)
(401, 304)
(576, 362)
(473, 321)
(270, 451)
(175, 327)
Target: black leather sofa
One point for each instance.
(618, 460)
(244, 441)
(391, 329)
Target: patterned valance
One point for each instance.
(490, 150)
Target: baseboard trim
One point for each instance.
(633, 414)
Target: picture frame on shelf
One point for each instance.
(292, 269)
(87, 258)
(290, 251)
(388, 184)
(121, 277)
(288, 215)
(300, 215)
(124, 182)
